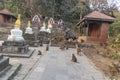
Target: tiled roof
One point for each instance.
(7, 12)
(98, 15)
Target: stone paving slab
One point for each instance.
(56, 64)
(28, 63)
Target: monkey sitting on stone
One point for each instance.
(79, 51)
(74, 59)
(39, 52)
(47, 47)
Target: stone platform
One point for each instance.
(14, 46)
(21, 55)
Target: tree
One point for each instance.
(103, 6)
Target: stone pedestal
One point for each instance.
(19, 47)
(44, 37)
(30, 39)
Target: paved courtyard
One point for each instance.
(56, 64)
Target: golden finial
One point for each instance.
(28, 24)
(44, 24)
(17, 23)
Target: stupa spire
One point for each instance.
(17, 23)
(28, 24)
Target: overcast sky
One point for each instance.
(117, 2)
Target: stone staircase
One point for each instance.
(4, 62)
(7, 71)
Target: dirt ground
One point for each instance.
(99, 57)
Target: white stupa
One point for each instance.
(43, 28)
(16, 33)
(29, 29)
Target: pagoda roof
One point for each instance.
(7, 12)
(95, 15)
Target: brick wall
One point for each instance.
(101, 39)
(1, 19)
(104, 32)
(103, 35)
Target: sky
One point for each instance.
(117, 2)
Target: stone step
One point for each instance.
(4, 63)
(3, 72)
(20, 55)
(10, 71)
(1, 56)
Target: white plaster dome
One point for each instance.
(16, 35)
(29, 30)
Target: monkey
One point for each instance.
(74, 59)
(79, 51)
(113, 70)
(39, 52)
(47, 47)
(55, 40)
(62, 47)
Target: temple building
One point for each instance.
(6, 16)
(94, 27)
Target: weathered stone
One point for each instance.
(21, 46)
(44, 37)
(4, 62)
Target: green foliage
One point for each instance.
(114, 29)
(114, 32)
(114, 42)
(114, 56)
(69, 10)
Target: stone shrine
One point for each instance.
(16, 33)
(15, 42)
(30, 36)
(28, 29)
(43, 28)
